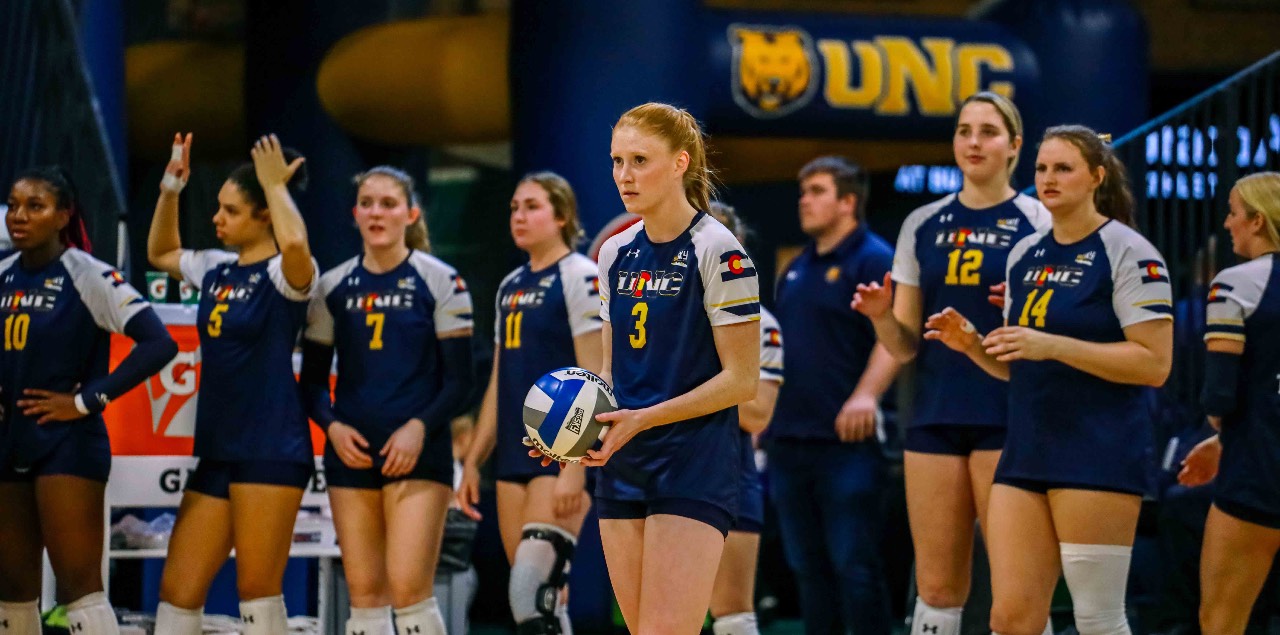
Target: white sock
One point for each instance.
(1096, 576)
(562, 614)
(374, 621)
(422, 618)
(928, 620)
(736, 624)
(265, 616)
(171, 620)
(92, 615)
(20, 618)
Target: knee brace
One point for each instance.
(538, 574)
(1096, 576)
(20, 618)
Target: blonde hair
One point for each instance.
(1260, 194)
(416, 235)
(682, 133)
(563, 202)
(1008, 112)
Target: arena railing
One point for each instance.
(1182, 166)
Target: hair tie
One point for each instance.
(1105, 137)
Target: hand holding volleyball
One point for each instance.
(560, 413)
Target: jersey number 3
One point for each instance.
(15, 331)
(641, 313)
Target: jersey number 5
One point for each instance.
(641, 313)
(1037, 308)
(215, 319)
(963, 273)
(15, 331)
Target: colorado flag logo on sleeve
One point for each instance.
(735, 266)
(1153, 271)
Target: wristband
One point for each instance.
(84, 410)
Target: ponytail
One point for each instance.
(682, 133)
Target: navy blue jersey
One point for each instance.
(538, 315)
(1244, 305)
(828, 342)
(58, 322)
(953, 254)
(771, 369)
(662, 301)
(249, 407)
(385, 329)
(1065, 425)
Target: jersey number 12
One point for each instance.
(964, 273)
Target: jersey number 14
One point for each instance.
(1036, 308)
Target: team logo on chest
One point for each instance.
(547, 281)
(640, 284)
(681, 259)
(379, 301)
(1053, 275)
(523, 299)
(833, 274)
(223, 291)
(1086, 258)
(38, 300)
(972, 237)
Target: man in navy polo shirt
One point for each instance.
(827, 474)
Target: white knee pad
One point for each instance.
(736, 624)
(171, 620)
(374, 621)
(20, 618)
(423, 618)
(539, 572)
(92, 615)
(1096, 576)
(928, 620)
(265, 616)
(562, 615)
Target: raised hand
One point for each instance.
(178, 171)
(269, 162)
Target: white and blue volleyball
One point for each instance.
(560, 412)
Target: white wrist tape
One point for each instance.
(171, 183)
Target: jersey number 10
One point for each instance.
(15, 331)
